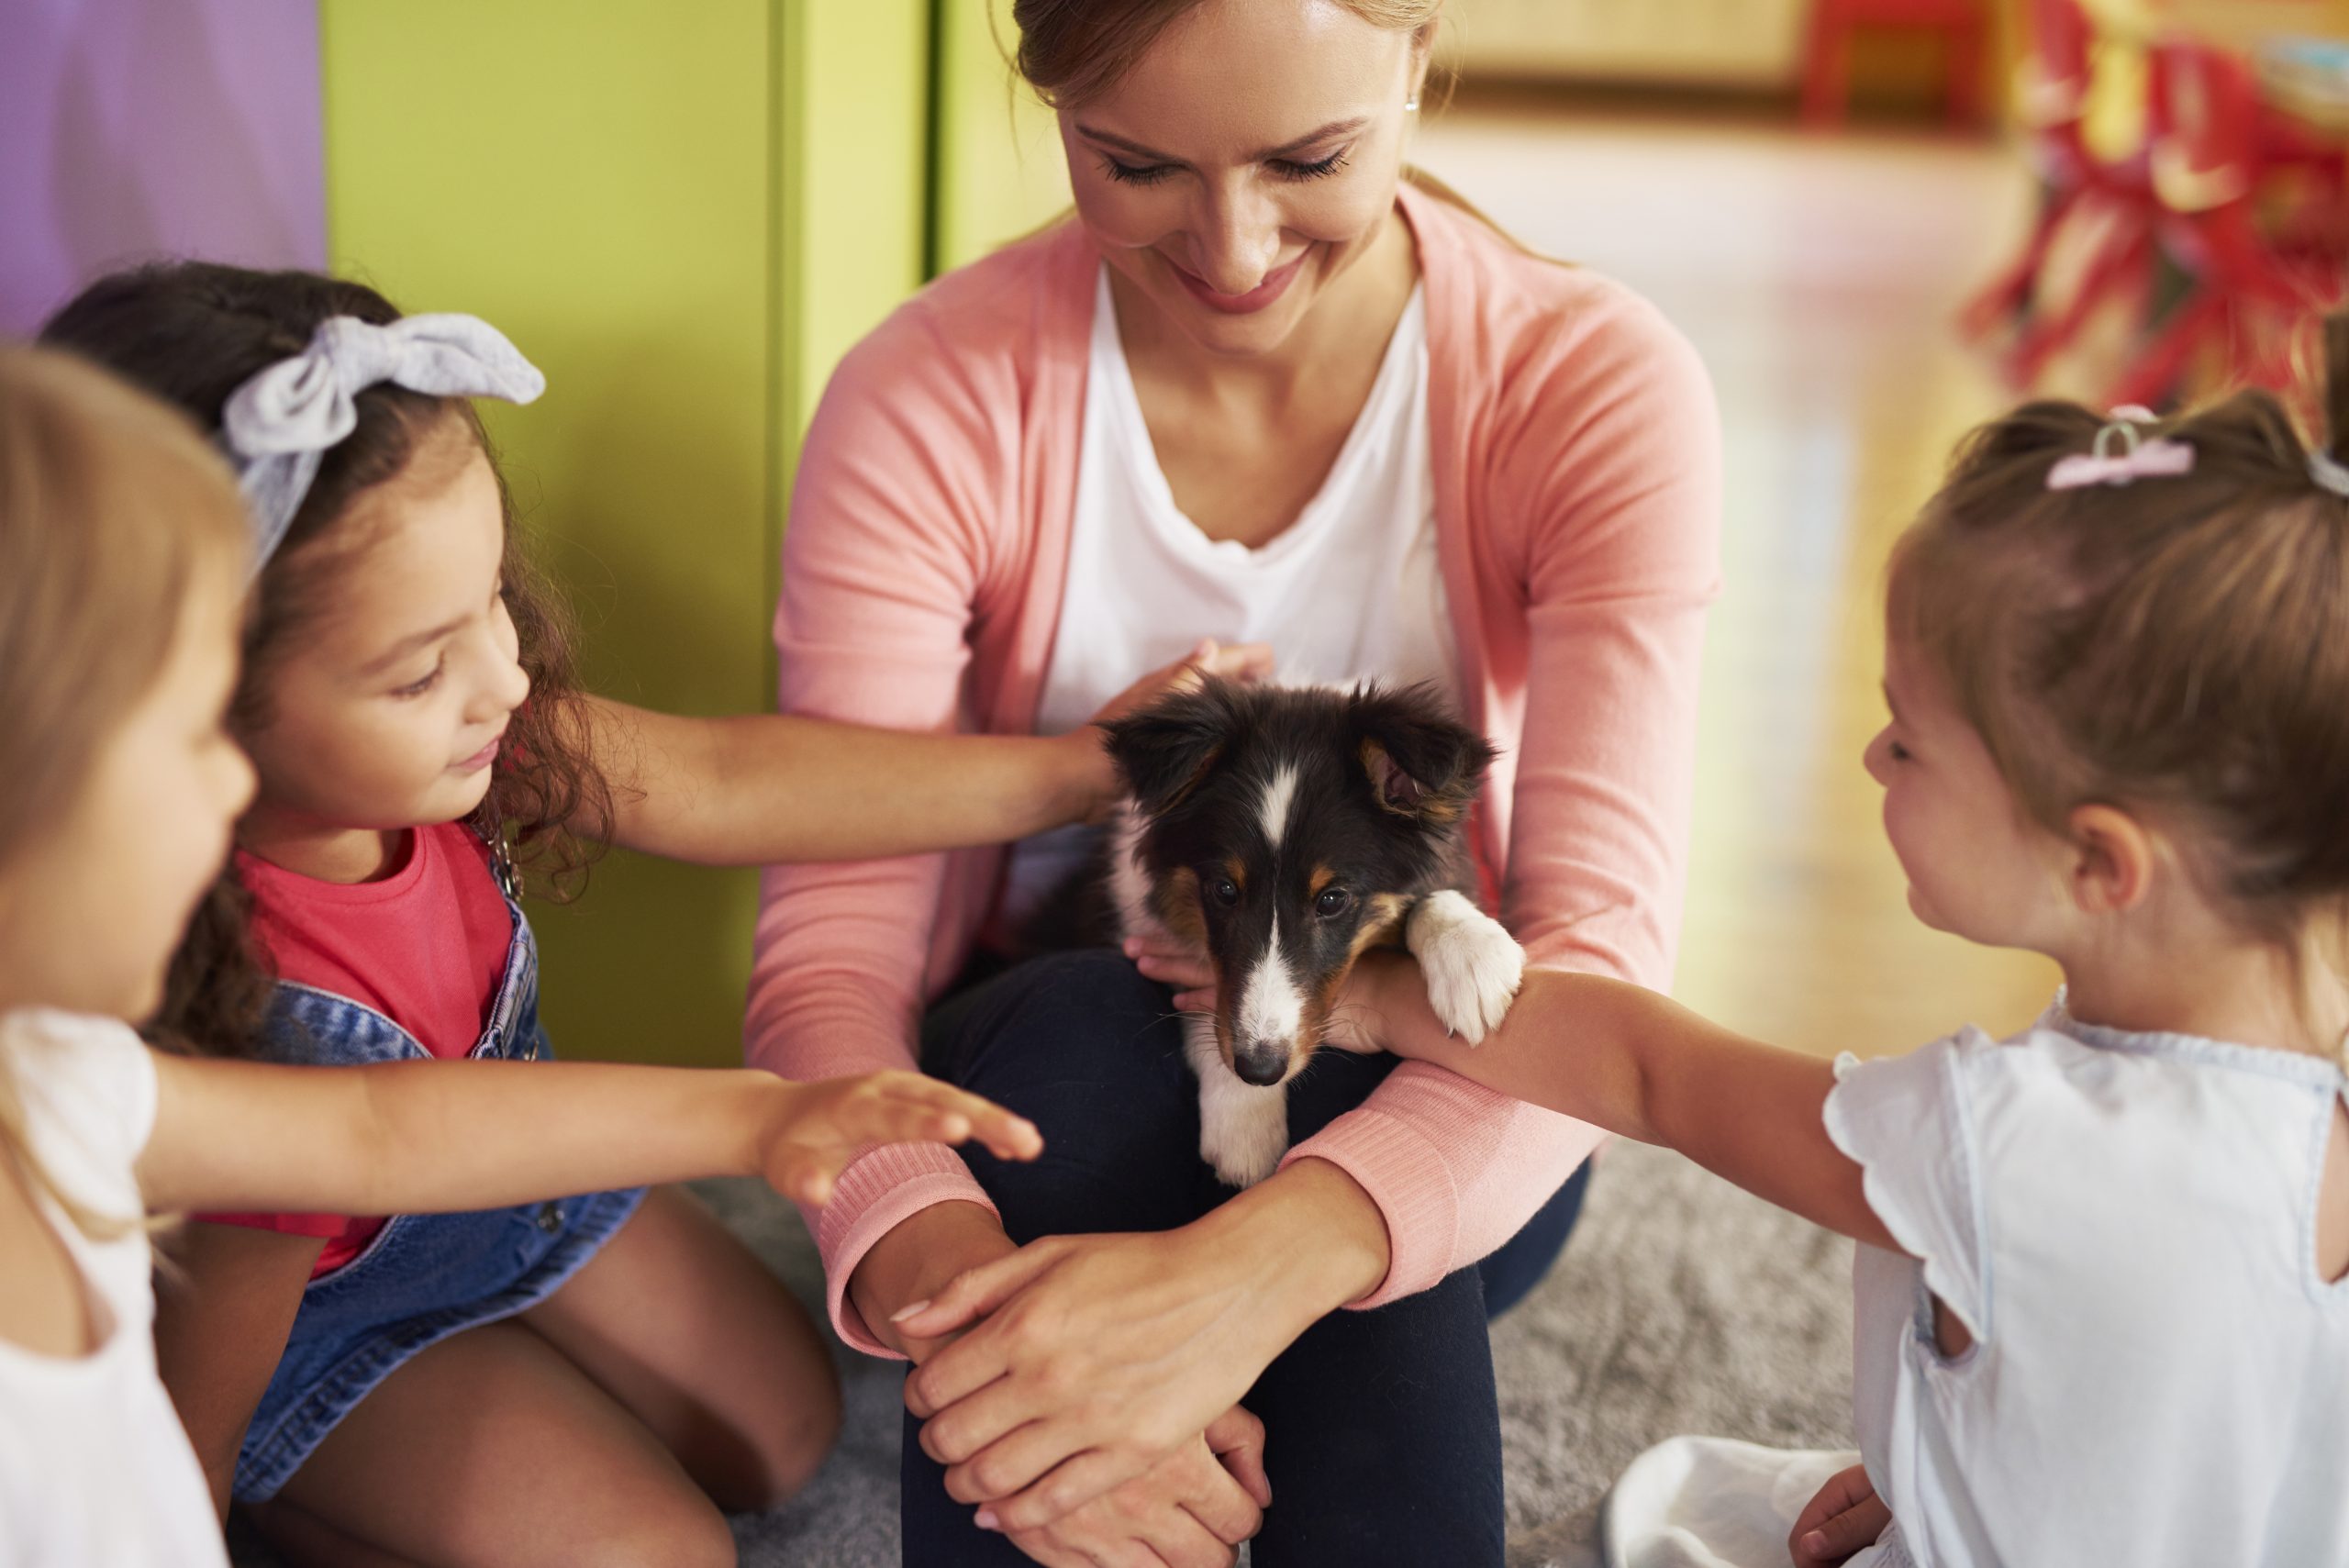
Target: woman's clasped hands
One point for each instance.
(1087, 1373)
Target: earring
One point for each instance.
(1411, 105)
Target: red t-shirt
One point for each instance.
(425, 946)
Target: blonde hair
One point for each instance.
(110, 503)
(1073, 50)
(2178, 645)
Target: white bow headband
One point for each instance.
(280, 423)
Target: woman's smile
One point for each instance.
(1276, 284)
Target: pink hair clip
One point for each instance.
(2138, 458)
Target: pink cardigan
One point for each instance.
(1578, 462)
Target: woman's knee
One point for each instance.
(1091, 1051)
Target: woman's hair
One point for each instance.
(193, 332)
(111, 504)
(2177, 645)
(1073, 50)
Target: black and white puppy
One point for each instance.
(1281, 833)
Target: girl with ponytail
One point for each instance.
(2100, 1307)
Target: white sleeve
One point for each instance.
(1908, 1122)
(88, 1088)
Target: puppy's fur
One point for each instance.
(1281, 833)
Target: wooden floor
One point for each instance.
(1817, 277)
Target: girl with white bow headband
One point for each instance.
(408, 702)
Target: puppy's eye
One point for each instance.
(1224, 891)
(1333, 902)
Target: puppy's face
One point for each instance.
(1286, 831)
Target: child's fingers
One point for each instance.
(1195, 1001)
(1005, 1135)
(1844, 1517)
(809, 1182)
(909, 1107)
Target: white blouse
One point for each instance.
(1350, 591)
(94, 1467)
(2126, 1224)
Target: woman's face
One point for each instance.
(1247, 160)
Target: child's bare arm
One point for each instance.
(768, 788)
(1640, 1064)
(223, 1307)
(765, 789)
(430, 1137)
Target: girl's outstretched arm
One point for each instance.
(1635, 1062)
(765, 789)
(429, 1136)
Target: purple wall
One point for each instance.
(131, 129)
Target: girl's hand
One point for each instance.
(1085, 1361)
(1247, 662)
(815, 1129)
(1844, 1517)
(1191, 1511)
(1090, 788)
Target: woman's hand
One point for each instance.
(1844, 1517)
(1379, 979)
(815, 1129)
(1172, 963)
(1085, 1361)
(1192, 1510)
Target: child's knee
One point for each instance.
(678, 1529)
(769, 1467)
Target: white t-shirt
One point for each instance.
(2126, 1224)
(1350, 591)
(95, 1468)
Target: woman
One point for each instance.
(1262, 384)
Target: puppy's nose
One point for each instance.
(1263, 1065)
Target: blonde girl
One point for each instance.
(407, 699)
(123, 554)
(2101, 1313)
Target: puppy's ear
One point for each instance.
(1423, 763)
(1167, 750)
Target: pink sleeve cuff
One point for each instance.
(880, 1191)
(1455, 1169)
(1409, 1180)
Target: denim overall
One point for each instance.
(424, 1276)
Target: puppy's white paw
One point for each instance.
(1473, 966)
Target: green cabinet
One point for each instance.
(684, 213)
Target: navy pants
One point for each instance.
(1383, 1431)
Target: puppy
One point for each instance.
(1281, 833)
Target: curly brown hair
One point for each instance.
(2177, 646)
(192, 332)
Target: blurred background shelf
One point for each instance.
(1751, 44)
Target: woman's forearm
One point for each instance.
(1312, 1239)
(763, 789)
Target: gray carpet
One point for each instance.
(1681, 1306)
